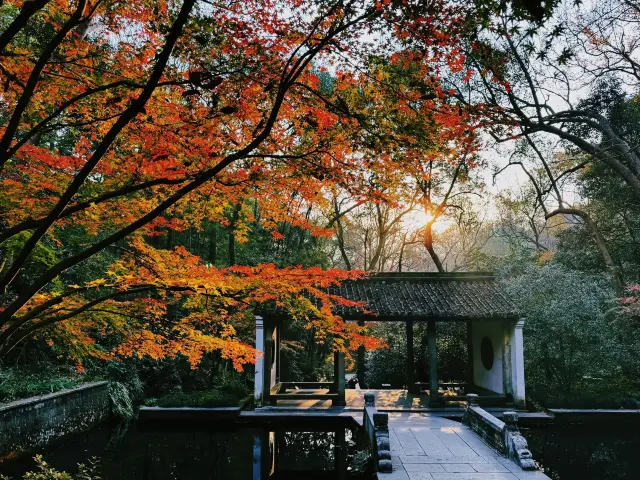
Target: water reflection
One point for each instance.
(282, 454)
(590, 453)
(205, 453)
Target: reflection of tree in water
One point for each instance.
(311, 450)
(186, 454)
(593, 453)
(306, 450)
(128, 454)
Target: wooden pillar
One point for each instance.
(433, 362)
(278, 333)
(338, 379)
(411, 362)
(470, 366)
(360, 362)
(268, 347)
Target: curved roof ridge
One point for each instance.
(453, 296)
(432, 276)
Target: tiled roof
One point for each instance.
(419, 296)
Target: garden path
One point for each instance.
(426, 447)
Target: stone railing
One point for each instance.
(376, 425)
(504, 436)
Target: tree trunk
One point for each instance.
(232, 238)
(340, 238)
(402, 247)
(428, 243)
(213, 245)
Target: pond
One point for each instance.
(592, 452)
(246, 452)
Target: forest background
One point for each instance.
(167, 167)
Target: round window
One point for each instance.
(486, 353)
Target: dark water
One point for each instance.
(586, 453)
(237, 453)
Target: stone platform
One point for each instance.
(386, 400)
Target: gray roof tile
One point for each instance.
(448, 296)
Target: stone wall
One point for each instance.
(32, 423)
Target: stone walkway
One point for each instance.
(425, 447)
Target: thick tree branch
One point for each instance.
(128, 115)
(29, 8)
(30, 86)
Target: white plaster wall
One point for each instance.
(489, 379)
(259, 380)
(517, 363)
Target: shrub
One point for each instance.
(46, 472)
(574, 346)
(126, 374)
(16, 383)
(208, 399)
(121, 403)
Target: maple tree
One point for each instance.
(121, 121)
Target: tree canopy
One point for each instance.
(126, 121)
(294, 140)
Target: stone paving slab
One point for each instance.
(421, 459)
(424, 447)
(473, 476)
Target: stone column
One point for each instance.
(433, 362)
(258, 382)
(338, 379)
(517, 364)
(411, 362)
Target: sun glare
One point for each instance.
(420, 218)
